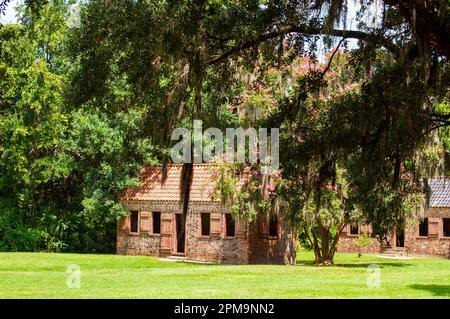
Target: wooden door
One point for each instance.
(167, 229)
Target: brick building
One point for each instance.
(429, 235)
(210, 234)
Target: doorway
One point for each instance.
(400, 238)
(180, 234)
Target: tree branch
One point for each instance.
(305, 29)
(429, 21)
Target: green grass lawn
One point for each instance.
(42, 275)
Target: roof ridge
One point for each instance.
(156, 188)
(180, 164)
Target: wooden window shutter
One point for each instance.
(123, 224)
(433, 227)
(241, 228)
(145, 221)
(263, 227)
(344, 230)
(215, 224)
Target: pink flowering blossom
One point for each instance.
(255, 173)
(329, 187)
(277, 174)
(215, 173)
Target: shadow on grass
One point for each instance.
(366, 264)
(437, 290)
(354, 264)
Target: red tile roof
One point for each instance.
(154, 188)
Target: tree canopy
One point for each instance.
(359, 90)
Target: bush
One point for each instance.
(361, 242)
(15, 236)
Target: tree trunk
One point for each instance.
(186, 181)
(325, 250)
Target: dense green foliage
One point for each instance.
(83, 108)
(333, 168)
(61, 166)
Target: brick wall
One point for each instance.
(348, 244)
(435, 243)
(216, 248)
(264, 249)
(143, 243)
(347, 241)
(247, 246)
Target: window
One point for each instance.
(156, 217)
(134, 221)
(446, 223)
(273, 225)
(423, 227)
(206, 223)
(354, 229)
(229, 225)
